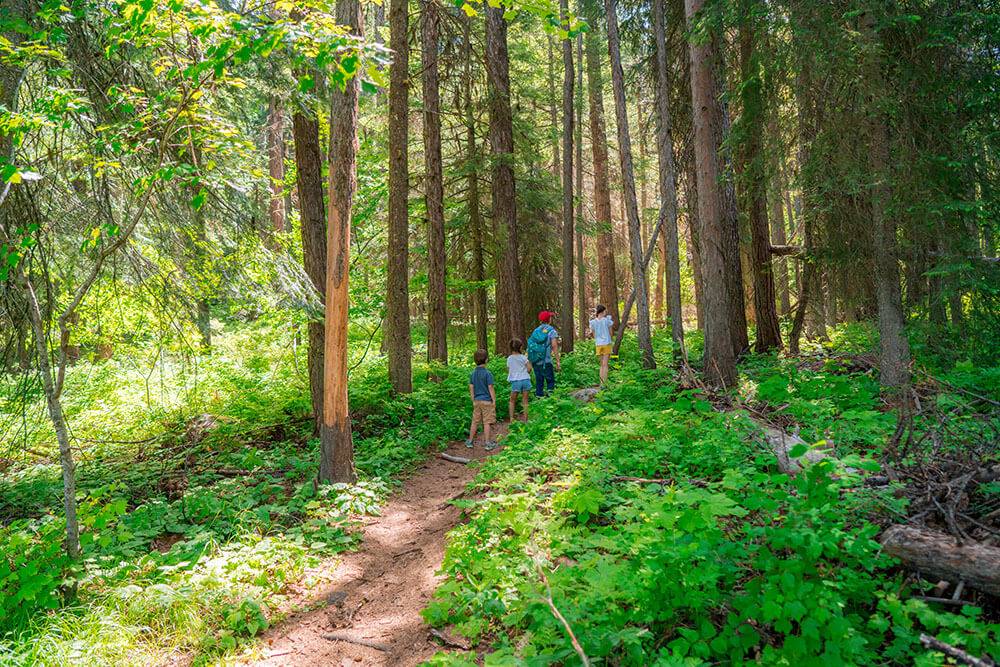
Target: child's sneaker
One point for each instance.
(491, 445)
(468, 443)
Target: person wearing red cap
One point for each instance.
(543, 350)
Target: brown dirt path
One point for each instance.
(376, 593)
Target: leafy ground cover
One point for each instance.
(199, 513)
(724, 561)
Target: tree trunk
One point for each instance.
(52, 388)
(581, 271)
(502, 147)
(938, 554)
(667, 182)
(437, 304)
(312, 211)
(567, 185)
(694, 243)
(640, 284)
(397, 340)
(275, 132)
(894, 361)
(336, 445)
(778, 238)
(755, 186)
(607, 277)
(553, 113)
(472, 193)
(719, 357)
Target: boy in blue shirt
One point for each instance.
(484, 398)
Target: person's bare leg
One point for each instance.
(513, 404)
(604, 368)
(524, 405)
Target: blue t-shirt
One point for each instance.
(481, 381)
(601, 326)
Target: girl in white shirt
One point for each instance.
(601, 326)
(518, 374)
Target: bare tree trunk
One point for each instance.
(719, 358)
(502, 147)
(894, 361)
(437, 305)
(567, 185)
(312, 211)
(472, 192)
(275, 133)
(778, 238)
(607, 278)
(52, 389)
(553, 114)
(336, 445)
(397, 338)
(667, 181)
(694, 243)
(581, 271)
(753, 180)
(640, 284)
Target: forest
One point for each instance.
(262, 263)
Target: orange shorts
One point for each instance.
(602, 350)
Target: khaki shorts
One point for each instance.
(483, 412)
(603, 349)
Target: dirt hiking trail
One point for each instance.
(376, 594)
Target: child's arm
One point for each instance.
(493, 393)
(472, 393)
(528, 365)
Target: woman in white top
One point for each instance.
(601, 327)
(518, 374)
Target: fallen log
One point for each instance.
(939, 555)
(378, 646)
(455, 459)
(954, 652)
(781, 443)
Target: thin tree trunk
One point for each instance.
(628, 184)
(312, 212)
(553, 113)
(397, 339)
(581, 271)
(694, 243)
(667, 182)
(607, 278)
(567, 185)
(719, 357)
(437, 313)
(502, 147)
(472, 193)
(753, 180)
(894, 361)
(275, 132)
(778, 238)
(52, 388)
(336, 445)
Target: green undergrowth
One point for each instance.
(727, 561)
(199, 513)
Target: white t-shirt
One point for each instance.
(517, 367)
(601, 326)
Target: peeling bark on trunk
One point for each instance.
(397, 339)
(437, 305)
(275, 132)
(312, 212)
(336, 444)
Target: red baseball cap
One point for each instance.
(545, 316)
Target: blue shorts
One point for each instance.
(520, 385)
